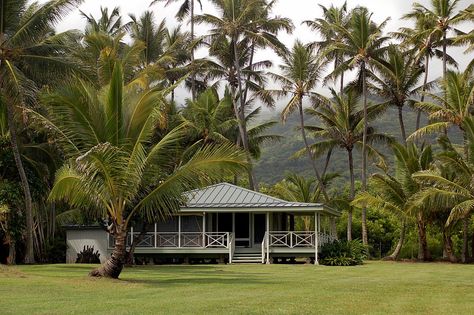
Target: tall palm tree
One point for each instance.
(328, 27)
(115, 171)
(28, 45)
(186, 9)
(300, 73)
(442, 16)
(242, 21)
(397, 81)
(342, 127)
(467, 38)
(394, 193)
(364, 46)
(110, 24)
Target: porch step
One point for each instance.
(248, 258)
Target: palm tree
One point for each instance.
(467, 38)
(243, 21)
(28, 45)
(363, 45)
(342, 126)
(186, 9)
(397, 81)
(110, 24)
(300, 73)
(442, 16)
(328, 27)
(114, 170)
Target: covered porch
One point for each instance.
(238, 225)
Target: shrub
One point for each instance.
(88, 256)
(343, 253)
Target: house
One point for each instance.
(226, 222)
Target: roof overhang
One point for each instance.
(309, 209)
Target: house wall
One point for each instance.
(77, 239)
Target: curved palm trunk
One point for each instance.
(423, 251)
(396, 252)
(29, 256)
(114, 265)
(448, 246)
(402, 124)
(425, 82)
(352, 194)
(310, 156)
(364, 155)
(193, 76)
(240, 115)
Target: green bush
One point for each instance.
(343, 253)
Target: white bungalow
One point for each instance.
(226, 222)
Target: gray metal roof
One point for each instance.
(226, 195)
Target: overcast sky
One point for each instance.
(296, 10)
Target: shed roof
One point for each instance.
(227, 196)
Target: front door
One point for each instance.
(242, 229)
(258, 228)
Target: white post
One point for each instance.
(316, 231)
(179, 231)
(267, 224)
(131, 236)
(204, 229)
(156, 234)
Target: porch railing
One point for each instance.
(297, 239)
(179, 240)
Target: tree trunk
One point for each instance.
(423, 251)
(396, 252)
(352, 194)
(310, 156)
(364, 156)
(129, 258)
(193, 75)
(240, 115)
(114, 265)
(448, 246)
(425, 82)
(465, 251)
(29, 255)
(402, 124)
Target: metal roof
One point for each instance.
(226, 195)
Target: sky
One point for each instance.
(296, 10)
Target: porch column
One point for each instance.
(179, 231)
(267, 235)
(204, 229)
(316, 243)
(156, 234)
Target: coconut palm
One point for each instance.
(363, 46)
(342, 127)
(442, 16)
(29, 45)
(242, 21)
(114, 170)
(328, 27)
(467, 38)
(397, 81)
(394, 193)
(299, 76)
(110, 24)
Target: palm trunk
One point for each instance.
(364, 156)
(29, 255)
(396, 252)
(252, 53)
(445, 70)
(193, 75)
(448, 246)
(402, 124)
(352, 194)
(310, 156)
(114, 265)
(425, 82)
(240, 115)
(465, 251)
(423, 252)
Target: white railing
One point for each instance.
(292, 239)
(179, 240)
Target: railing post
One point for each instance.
(204, 229)
(268, 236)
(179, 231)
(156, 234)
(291, 239)
(316, 231)
(131, 236)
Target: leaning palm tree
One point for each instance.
(342, 127)
(29, 45)
(394, 193)
(363, 46)
(299, 76)
(114, 170)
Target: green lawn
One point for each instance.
(375, 288)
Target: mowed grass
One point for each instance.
(374, 288)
